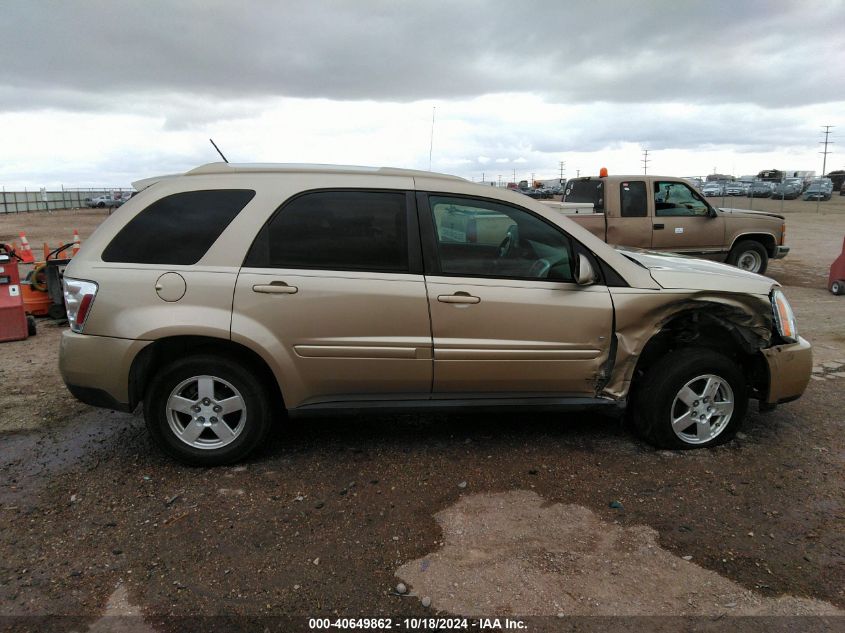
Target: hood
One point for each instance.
(673, 271)
(747, 213)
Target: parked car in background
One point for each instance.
(760, 189)
(713, 189)
(786, 190)
(842, 189)
(337, 287)
(101, 202)
(819, 189)
(735, 188)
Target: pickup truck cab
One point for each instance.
(667, 214)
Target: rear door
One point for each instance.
(630, 224)
(332, 289)
(506, 316)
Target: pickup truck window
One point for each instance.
(479, 238)
(677, 199)
(633, 199)
(586, 190)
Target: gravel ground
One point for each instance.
(335, 511)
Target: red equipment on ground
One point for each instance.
(14, 323)
(836, 279)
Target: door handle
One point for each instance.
(275, 288)
(458, 297)
(658, 227)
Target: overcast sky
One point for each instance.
(106, 92)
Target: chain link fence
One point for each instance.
(27, 200)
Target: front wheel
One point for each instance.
(691, 398)
(207, 410)
(749, 255)
(838, 287)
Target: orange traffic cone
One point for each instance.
(26, 250)
(46, 251)
(77, 244)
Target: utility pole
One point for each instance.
(562, 169)
(825, 142)
(824, 154)
(431, 142)
(577, 173)
(645, 161)
(514, 175)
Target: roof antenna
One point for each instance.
(225, 160)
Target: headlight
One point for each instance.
(784, 317)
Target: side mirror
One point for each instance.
(711, 213)
(584, 273)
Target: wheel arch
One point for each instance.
(701, 328)
(164, 350)
(768, 241)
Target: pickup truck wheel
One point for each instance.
(749, 255)
(694, 398)
(207, 410)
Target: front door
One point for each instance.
(333, 292)
(683, 221)
(506, 315)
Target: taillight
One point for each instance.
(783, 234)
(79, 297)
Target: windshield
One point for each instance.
(585, 190)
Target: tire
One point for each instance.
(838, 287)
(211, 437)
(749, 255)
(661, 396)
(31, 329)
(100, 205)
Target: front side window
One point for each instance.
(336, 230)
(177, 229)
(677, 199)
(484, 238)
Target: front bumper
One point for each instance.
(789, 370)
(781, 252)
(96, 368)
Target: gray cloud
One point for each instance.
(77, 55)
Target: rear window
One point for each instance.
(585, 190)
(178, 229)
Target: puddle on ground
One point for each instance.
(511, 553)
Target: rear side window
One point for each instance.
(178, 229)
(633, 199)
(585, 190)
(336, 230)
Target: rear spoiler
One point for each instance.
(140, 185)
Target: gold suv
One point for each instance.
(232, 293)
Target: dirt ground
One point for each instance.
(535, 516)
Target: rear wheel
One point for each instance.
(31, 328)
(749, 255)
(838, 287)
(691, 398)
(207, 410)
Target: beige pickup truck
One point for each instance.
(667, 214)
